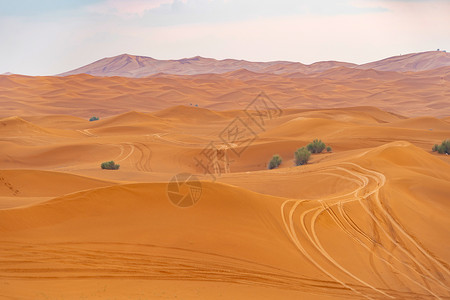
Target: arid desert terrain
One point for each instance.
(367, 220)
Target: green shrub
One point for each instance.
(93, 119)
(443, 148)
(317, 146)
(446, 144)
(275, 162)
(329, 149)
(302, 156)
(110, 165)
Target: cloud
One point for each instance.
(296, 30)
(173, 12)
(129, 8)
(41, 7)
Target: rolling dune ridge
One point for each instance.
(366, 221)
(411, 94)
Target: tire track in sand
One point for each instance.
(352, 225)
(314, 239)
(380, 181)
(86, 132)
(129, 261)
(393, 240)
(293, 235)
(143, 163)
(122, 151)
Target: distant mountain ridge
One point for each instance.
(126, 65)
(413, 62)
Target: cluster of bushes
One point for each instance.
(443, 148)
(275, 162)
(110, 165)
(94, 119)
(302, 155)
(317, 146)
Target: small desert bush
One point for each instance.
(443, 148)
(110, 165)
(329, 149)
(93, 119)
(317, 146)
(302, 156)
(275, 162)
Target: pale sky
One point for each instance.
(44, 37)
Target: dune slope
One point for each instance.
(372, 239)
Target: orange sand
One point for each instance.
(423, 93)
(367, 221)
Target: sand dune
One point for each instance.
(132, 117)
(429, 123)
(344, 73)
(339, 245)
(368, 220)
(166, 133)
(410, 94)
(20, 188)
(189, 114)
(17, 125)
(35, 183)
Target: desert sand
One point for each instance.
(369, 220)
(409, 94)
